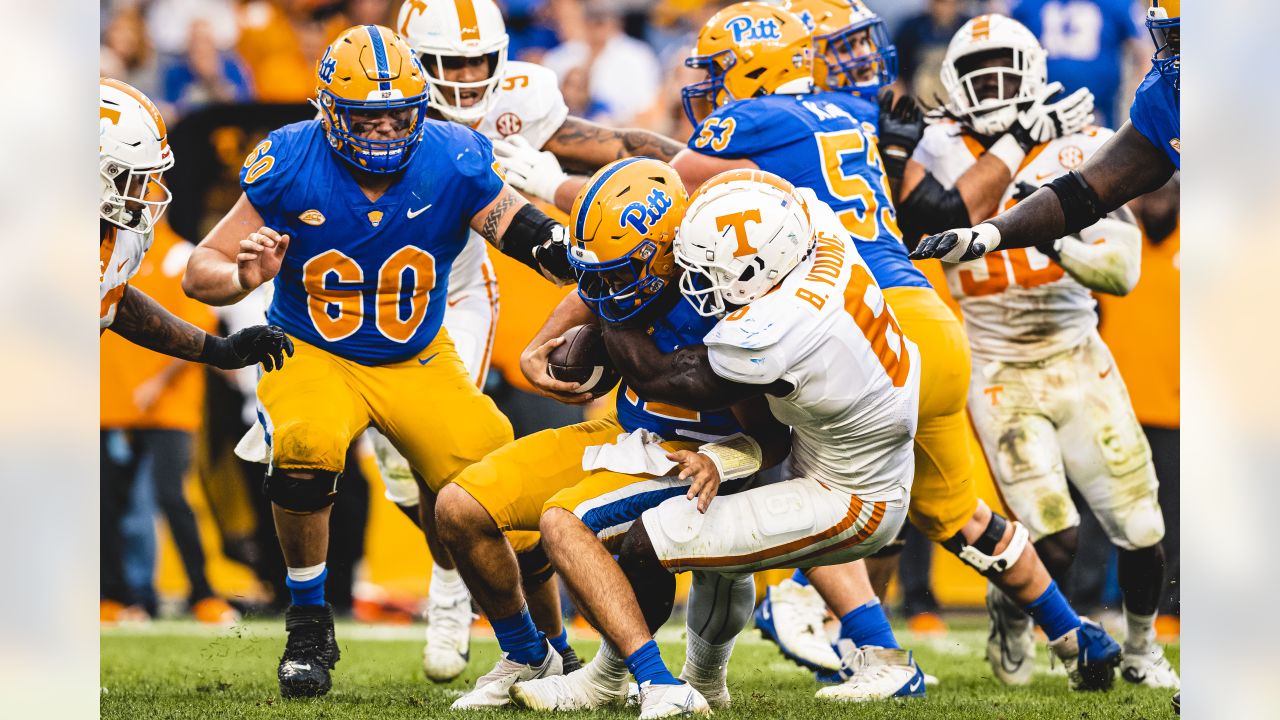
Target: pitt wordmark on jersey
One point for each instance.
(1018, 304)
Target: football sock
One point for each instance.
(1142, 632)
(306, 585)
(868, 625)
(519, 639)
(560, 642)
(706, 661)
(1053, 613)
(799, 578)
(446, 583)
(608, 665)
(646, 664)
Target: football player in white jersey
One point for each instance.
(1045, 396)
(463, 48)
(133, 155)
(803, 324)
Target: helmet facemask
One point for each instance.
(133, 198)
(343, 120)
(1166, 33)
(850, 67)
(991, 86)
(464, 102)
(617, 290)
(703, 97)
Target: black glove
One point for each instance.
(553, 257)
(266, 344)
(901, 127)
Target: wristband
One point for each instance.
(235, 280)
(737, 456)
(1009, 151)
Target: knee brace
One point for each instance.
(301, 496)
(535, 566)
(981, 554)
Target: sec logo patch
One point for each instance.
(508, 123)
(1071, 157)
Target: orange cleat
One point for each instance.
(927, 623)
(215, 611)
(1168, 628)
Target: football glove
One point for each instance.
(901, 127)
(1045, 121)
(960, 245)
(529, 170)
(266, 344)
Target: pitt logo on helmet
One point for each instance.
(746, 29)
(369, 75)
(643, 215)
(623, 223)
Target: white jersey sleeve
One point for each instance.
(529, 104)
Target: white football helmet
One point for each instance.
(439, 29)
(743, 232)
(1016, 81)
(133, 154)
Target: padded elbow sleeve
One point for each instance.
(539, 242)
(931, 208)
(1080, 204)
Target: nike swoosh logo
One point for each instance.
(451, 303)
(1042, 176)
(121, 265)
(1103, 375)
(915, 685)
(424, 362)
(415, 213)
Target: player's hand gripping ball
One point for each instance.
(583, 358)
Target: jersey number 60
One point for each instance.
(338, 312)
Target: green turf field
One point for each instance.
(174, 669)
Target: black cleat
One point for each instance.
(310, 652)
(571, 660)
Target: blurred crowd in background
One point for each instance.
(225, 72)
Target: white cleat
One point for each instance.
(1011, 642)
(448, 645)
(664, 701)
(715, 691)
(792, 615)
(877, 674)
(494, 688)
(582, 689)
(1150, 668)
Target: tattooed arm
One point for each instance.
(145, 322)
(522, 231)
(586, 146)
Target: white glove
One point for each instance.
(960, 245)
(529, 170)
(1045, 121)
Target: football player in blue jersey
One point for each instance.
(358, 217)
(593, 478)
(1142, 156)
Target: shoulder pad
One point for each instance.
(748, 127)
(268, 169)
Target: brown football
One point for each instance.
(583, 359)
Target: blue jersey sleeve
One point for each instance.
(268, 172)
(744, 129)
(477, 171)
(1155, 114)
